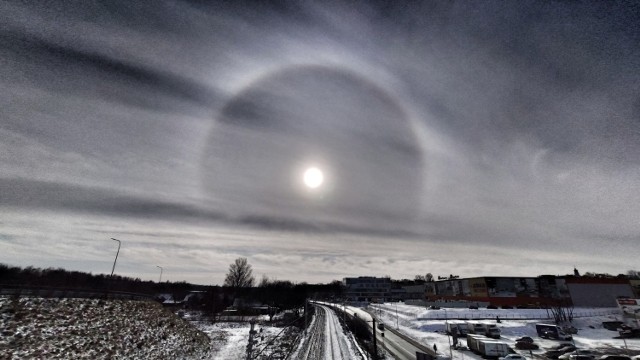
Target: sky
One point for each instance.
(471, 138)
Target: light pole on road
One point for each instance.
(160, 267)
(397, 327)
(114, 261)
(446, 323)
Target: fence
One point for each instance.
(489, 315)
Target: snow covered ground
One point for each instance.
(47, 328)
(229, 340)
(427, 327)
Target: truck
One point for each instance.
(551, 331)
(630, 308)
(491, 330)
(486, 347)
(475, 328)
(494, 349)
(473, 341)
(457, 328)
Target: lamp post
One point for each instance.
(446, 323)
(114, 261)
(160, 267)
(397, 327)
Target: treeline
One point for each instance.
(61, 278)
(631, 274)
(276, 294)
(214, 299)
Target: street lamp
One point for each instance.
(114, 261)
(446, 329)
(160, 267)
(397, 327)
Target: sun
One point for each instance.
(313, 178)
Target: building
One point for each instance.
(498, 291)
(414, 292)
(597, 292)
(368, 288)
(545, 290)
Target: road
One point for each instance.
(399, 347)
(395, 344)
(326, 340)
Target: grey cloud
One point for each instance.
(89, 73)
(24, 193)
(55, 196)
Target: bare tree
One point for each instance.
(562, 311)
(240, 274)
(429, 277)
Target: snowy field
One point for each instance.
(427, 327)
(229, 340)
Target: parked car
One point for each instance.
(523, 345)
(381, 326)
(491, 306)
(559, 350)
(567, 348)
(612, 325)
(570, 329)
(434, 307)
(473, 307)
(513, 357)
(553, 354)
(572, 355)
(615, 357)
(526, 339)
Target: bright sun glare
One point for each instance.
(313, 178)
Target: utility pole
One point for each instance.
(306, 316)
(344, 313)
(250, 345)
(446, 322)
(397, 327)
(375, 343)
(114, 261)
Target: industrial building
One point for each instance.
(545, 290)
(368, 288)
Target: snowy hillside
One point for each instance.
(91, 328)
